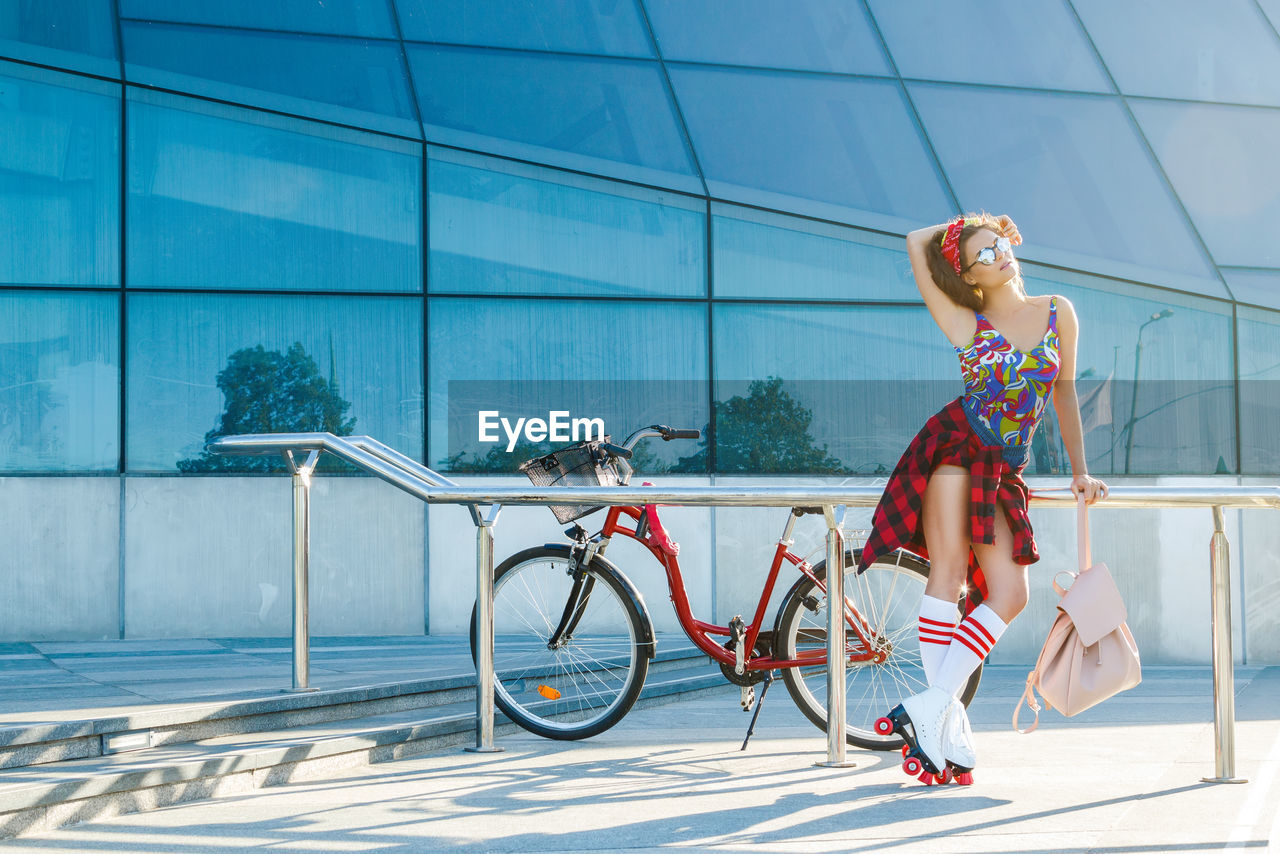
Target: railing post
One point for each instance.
(836, 655)
(301, 568)
(1224, 693)
(484, 629)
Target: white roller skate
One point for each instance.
(957, 746)
(921, 720)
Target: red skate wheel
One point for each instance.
(912, 766)
(906, 748)
(884, 726)
(945, 777)
(964, 778)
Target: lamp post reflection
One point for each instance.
(1133, 400)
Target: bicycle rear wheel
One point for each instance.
(887, 596)
(584, 682)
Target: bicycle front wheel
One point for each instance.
(567, 652)
(887, 600)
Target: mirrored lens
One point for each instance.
(986, 256)
(1003, 244)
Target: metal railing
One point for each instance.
(423, 483)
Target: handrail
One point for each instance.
(433, 488)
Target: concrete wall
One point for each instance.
(210, 557)
(60, 558)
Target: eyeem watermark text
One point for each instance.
(557, 427)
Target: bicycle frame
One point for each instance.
(702, 633)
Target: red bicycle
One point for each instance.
(573, 637)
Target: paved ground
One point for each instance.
(1124, 777)
(57, 681)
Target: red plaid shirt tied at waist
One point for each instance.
(948, 438)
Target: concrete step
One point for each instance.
(168, 724)
(42, 797)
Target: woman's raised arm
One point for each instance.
(955, 321)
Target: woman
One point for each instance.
(966, 463)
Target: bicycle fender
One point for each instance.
(647, 643)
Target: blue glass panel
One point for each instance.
(60, 392)
(221, 197)
(1180, 397)
(1222, 163)
(202, 362)
(501, 227)
(825, 389)
(1272, 8)
(837, 148)
(1260, 287)
(611, 27)
(336, 17)
(608, 116)
(1073, 173)
(807, 35)
(770, 256)
(630, 364)
(1259, 390)
(1009, 42)
(75, 34)
(349, 81)
(59, 179)
(1222, 51)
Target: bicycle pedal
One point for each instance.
(748, 700)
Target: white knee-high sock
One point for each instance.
(972, 642)
(937, 622)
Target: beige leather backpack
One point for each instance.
(1090, 654)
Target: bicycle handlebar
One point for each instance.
(660, 431)
(617, 450)
(623, 453)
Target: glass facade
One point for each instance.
(74, 34)
(344, 213)
(1005, 42)
(265, 364)
(608, 116)
(801, 35)
(60, 392)
(609, 27)
(395, 213)
(837, 148)
(59, 179)
(502, 228)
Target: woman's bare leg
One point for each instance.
(1007, 587)
(945, 519)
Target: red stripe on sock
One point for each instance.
(938, 642)
(982, 648)
(991, 641)
(950, 625)
(965, 641)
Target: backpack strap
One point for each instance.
(1028, 697)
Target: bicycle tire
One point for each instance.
(871, 689)
(587, 684)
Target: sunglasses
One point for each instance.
(987, 255)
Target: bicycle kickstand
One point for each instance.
(768, 680)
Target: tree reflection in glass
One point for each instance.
(267, 391)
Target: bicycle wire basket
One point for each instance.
(583, 464)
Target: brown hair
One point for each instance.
(945, 276)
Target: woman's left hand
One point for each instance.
(1008, 229)
(1091, 487)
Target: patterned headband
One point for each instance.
(951, 239)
